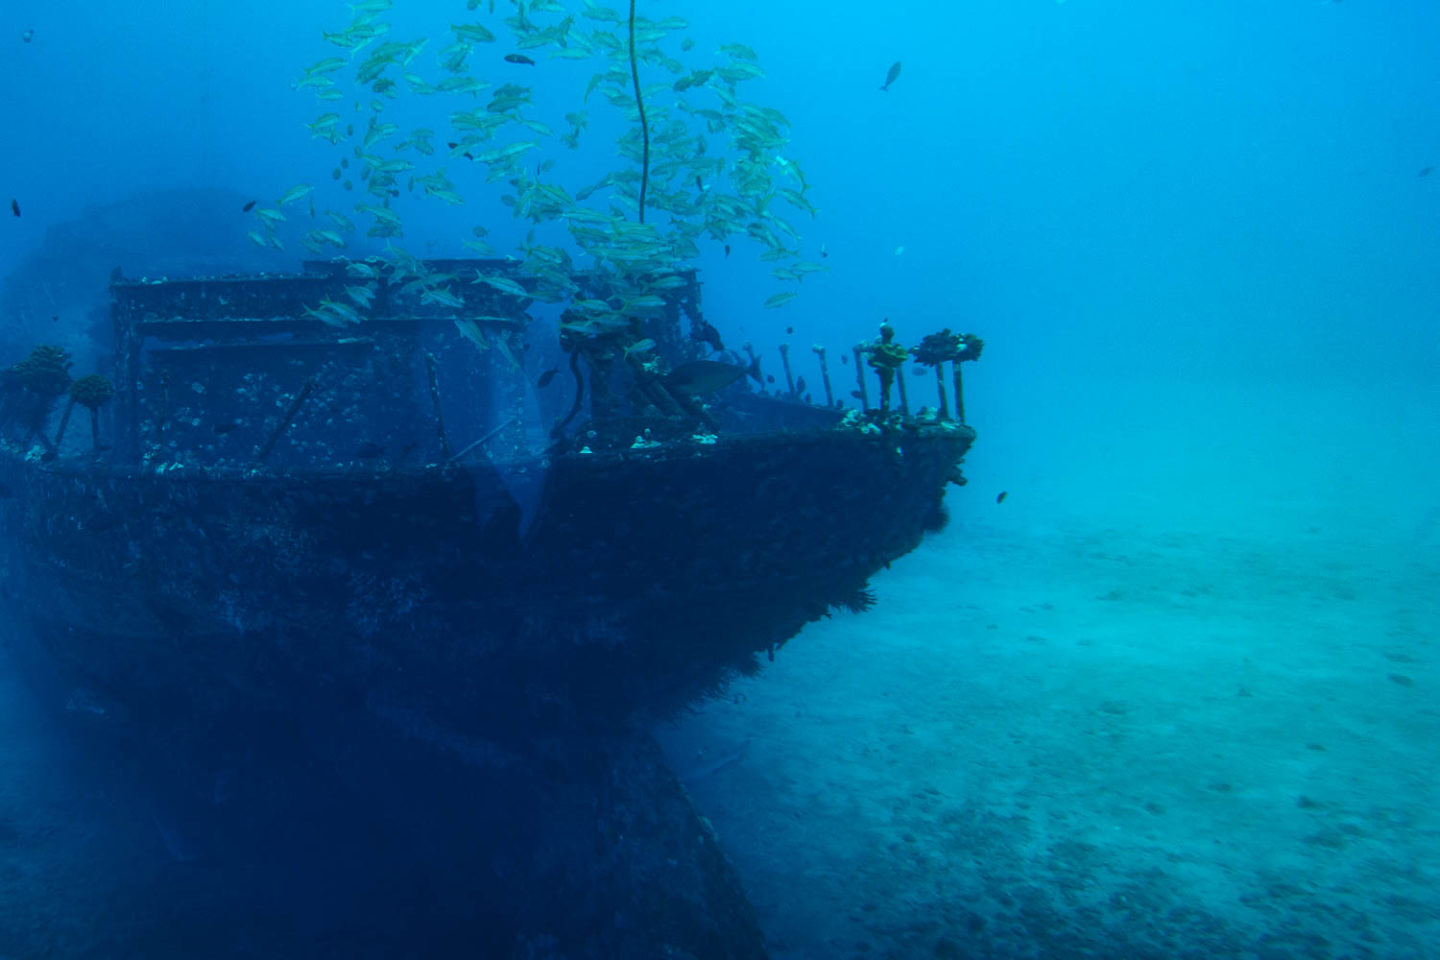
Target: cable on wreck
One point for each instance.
(644, 127)
(559, 429)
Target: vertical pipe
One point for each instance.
(430, 365)
(513, 389)
(602, 396)
(755, 366)
(940, 385)
(900, 385)
(129, 376)
(860, 378)
(959, 394)
(785, 362)
(825, 376)
(290, 412)
(162, 412)
(64, 422)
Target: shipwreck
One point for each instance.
(436, 563)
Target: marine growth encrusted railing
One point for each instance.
(352, 363)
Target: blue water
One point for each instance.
(1175, 695)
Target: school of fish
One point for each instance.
(718, 163)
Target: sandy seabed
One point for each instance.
(1095, 743)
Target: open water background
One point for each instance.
(1176, 695)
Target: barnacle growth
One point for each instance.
(935, 350)
(29, 389)
(886, 357)
(46, 372)
(92, 392)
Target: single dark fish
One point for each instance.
(519, 58)
(705, 332)
(699, 377)
(699, 184)
(225, 426)
(727, 249)
(1001, 497)
(15, 206)
(892, 76)
(799, 384)
(369, 451)
(248, 207)
(28, 35)
(1425, 171)
(546, 377)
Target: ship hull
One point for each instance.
(500, 600)
(462, 661)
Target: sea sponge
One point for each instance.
(45, 373)
(92, 391)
